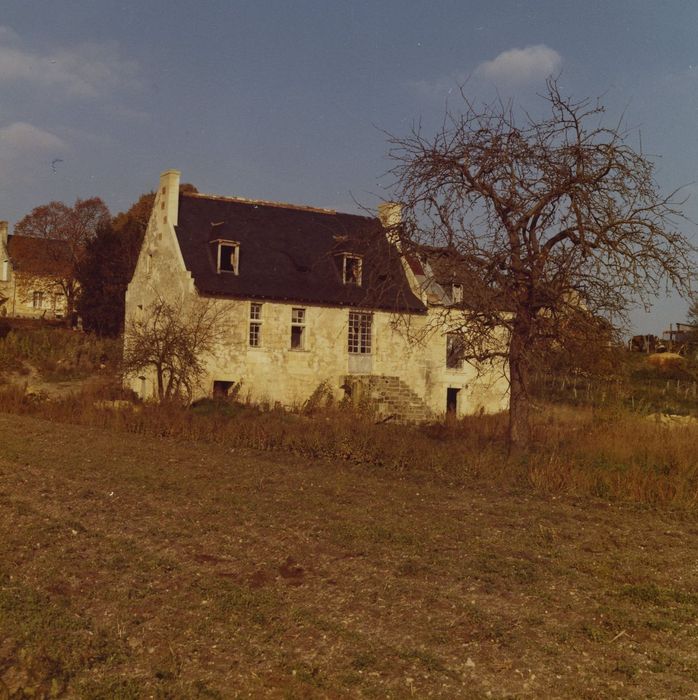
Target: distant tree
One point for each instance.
(174, 343)
(554, 223)
(74, 227)
(103, 274)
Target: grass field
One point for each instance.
(135, 566)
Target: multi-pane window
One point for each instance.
(359, 333)
(297, 329)
(457, 293)
(255, 324)
(454, 351)
(38, 300)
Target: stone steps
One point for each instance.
(392, 398)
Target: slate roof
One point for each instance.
(290, 253)
(44, 257)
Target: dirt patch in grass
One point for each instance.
(141, 567)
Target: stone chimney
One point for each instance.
(167, 200)
(3, 235)
(390, 215)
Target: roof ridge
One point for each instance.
(264, 202)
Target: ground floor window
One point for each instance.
(38, 300)
(359, 339)
(297, 329)
(255, 324)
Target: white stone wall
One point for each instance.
(274, 372)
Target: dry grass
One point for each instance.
(611, 454)
(136, 566)
(57, 353)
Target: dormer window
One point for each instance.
(228, 256)
(457, 293)
(351, 269)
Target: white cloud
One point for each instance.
(517, 66)
(21, 137)
(25, 146)
(88, 70)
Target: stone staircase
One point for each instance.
(390, 396)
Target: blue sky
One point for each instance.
(289, 100)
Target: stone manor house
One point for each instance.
(313, 297)
(30, 273)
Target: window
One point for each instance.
(351, 269)
(359, 333)
(255, 325)
(297, 329)
(454, 351)
(228, 257)
(457, 293)
(38, 300)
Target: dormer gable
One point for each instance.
(350, 266)
(227, 256)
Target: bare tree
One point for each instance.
(551, 224)
(69, 229)
(174, 344)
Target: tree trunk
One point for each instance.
(519, 403)
(161, 384)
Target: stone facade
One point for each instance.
(25, 291)
(294, 346)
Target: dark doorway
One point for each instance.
(452, 400)
(221, 388)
